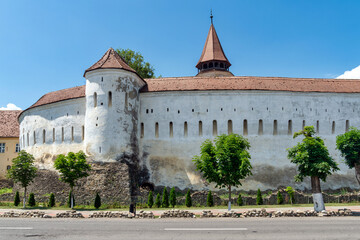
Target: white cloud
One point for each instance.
(352, 74)
(10, 106)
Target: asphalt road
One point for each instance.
(184, 229)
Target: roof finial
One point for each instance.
(211, 16)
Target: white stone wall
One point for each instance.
(169, 158)
(111, 131)
(66, 116)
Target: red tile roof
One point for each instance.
(252, 83)
(222, 83)
(9, 125)
(61, 95)
(110, 60)
(212, 49)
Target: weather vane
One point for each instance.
(211, 16)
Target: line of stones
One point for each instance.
(175, 213)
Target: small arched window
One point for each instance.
(157, 130)
(221, 65)
(185, 129)
(230, 127)
(205, 66)
(142, 130)
(333, 127)
(260, 130)
(317, 127)
(8, 167)
(245, 128)
(109, 99)
(95, 99)
(200, 129)
(275, 130)
(211, 65)
(171, 132)
(290, 127)
(215, 128)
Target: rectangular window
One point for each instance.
(34, 138)
(72, 134)
(17, 148)
(333, 127)
(109, 99)
(347, 124)
(53, 134)
(215, 128)
(290, 127)
(260, 130)
(185, 129)
(157, 130)
(142, 130)
(230, 127)
(171, 130)
(200, 129)
(2, 147)
(303, 125)
(82, 133)
(245, 128)
(317, 127)
(275, 128)
(62, 134)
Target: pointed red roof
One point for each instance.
(212, 49)
(110, 60)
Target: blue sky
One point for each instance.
(47, 45)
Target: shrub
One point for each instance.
(188, 201)
(280, 199)
(150, 201)
(239, 200)
(165, 199)
(31, 201)
(69, 200)
(97, 202)
(210, 200)
(173, 197)
(259, 199)
(17, 199)
(291, 192)
(52, 200)
(157, 200)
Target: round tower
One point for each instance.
(112, 108)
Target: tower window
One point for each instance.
(303, 125)
(62, 134)
(34, 138)
(109, 99)
(2, 147)
(205, 66)
(317, 127)
(210, 65)
(44, 136)
(82, 133)
(221, 65)
(72, 134)
(333, 127)
(215, 128)
(17, 147)
(347, 124)
(142, 130)
(95, 99)
(157, 130)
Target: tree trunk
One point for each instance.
(229, 204)
(357, 172)
(71, 198)
(317, 195)
(24, 199)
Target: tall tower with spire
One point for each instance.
(213, 61)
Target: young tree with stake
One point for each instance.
(72, 167)
(23, 171)
(312, 159)
(226, 162)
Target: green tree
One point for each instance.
(312, 159)
(172, 197)
(165, 199)
(52, 200)
(32, 202)
(226, 162)
(158, 201)
(23, 171)
(188, 201)
(17, 199)
(239, 200)
(280, 199)
(72, 167)
(150, 201)
(349, 146)
(290, 191)
(97, 202)
(259, 199)
(136, 61)
(210, 199)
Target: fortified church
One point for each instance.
(156, 126)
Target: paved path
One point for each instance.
(198, 211)
(252, 228)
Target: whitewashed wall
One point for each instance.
(169, 158)
(56, 116)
